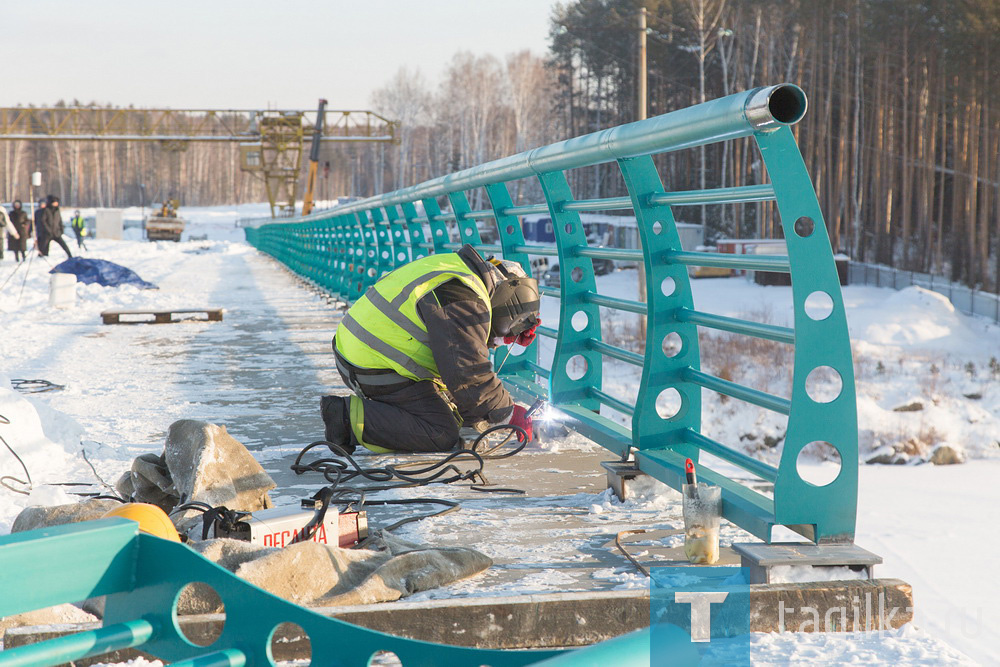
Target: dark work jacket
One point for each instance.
(41, 230)
(53, 221)
(458, 325)
(21, 221)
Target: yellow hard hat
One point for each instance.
(151, 519)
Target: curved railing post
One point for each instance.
(668, 288)
(822, 355)
(439, 230)
(399, 250)
(579, 321)
(468, 231)
(416, 231)
(511, 235)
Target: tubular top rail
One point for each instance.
(346, 249)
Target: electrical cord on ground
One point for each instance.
(5, 479)
(35, 386)
(618, 543)
(341, 471)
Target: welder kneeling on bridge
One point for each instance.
(415, 350)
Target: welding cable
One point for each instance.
(35, 386)
(322, 498)
(450, 506)
(339, 470)
(225, 517)
(5, 478)
(618, 543)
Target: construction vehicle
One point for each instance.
(307, 201)
(164, 224)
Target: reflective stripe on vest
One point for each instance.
(384, 330)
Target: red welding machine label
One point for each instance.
(283, 538)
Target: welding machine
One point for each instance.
(282, 526)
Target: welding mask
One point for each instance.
(515, 301)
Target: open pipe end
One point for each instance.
(771, 107)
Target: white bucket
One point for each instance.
(62, 290)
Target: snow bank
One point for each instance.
(46, 441)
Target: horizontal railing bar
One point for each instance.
(778, 263)
(540, 370)
(738, 391)
(228, 657)
(482, 214)
(548, 332)
(608, 204)
(80, 645)
(528, 209)
(748, 463)
(735, 195)
(614, 302)
(615, 352)
(611, 401)
(442, 217)
(734, 325)
(545, 290)
(545, 250)
(610, 253)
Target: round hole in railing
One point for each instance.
(385, 254)
(371, 273)
(401, 256)
(576, 274)
(576, 367)
(569, 228)
(416, 232)
(439, 232)
(468, 231)
(515, 351)
(199, 598)
(668, 286)
(819, 305)
(579, 320)
(657, 227)
(397, 234)
(510, 229)
(673, 344)
(669, 403)
(818, 463)
(804, 226)
(824, 384)
(290, 642)
(384, 659)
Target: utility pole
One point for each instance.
(641, 115)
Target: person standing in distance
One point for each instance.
(79, 226)
(54, 223)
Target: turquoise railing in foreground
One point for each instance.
(143, 577)
(346, 249)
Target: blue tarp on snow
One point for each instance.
(101, 272)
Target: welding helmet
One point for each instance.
(515, 301)
(151, 519)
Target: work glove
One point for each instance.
(520, 417)
(525, 338)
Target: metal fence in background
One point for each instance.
(965, 299)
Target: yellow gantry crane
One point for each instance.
(271, 141)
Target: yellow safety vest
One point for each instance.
(383, 330)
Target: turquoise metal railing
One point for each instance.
(143, 578)
(345, 250)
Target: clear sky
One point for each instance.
(245, 54)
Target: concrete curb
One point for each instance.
(571, 619)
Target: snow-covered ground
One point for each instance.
(927, 376)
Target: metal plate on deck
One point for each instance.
(793, 553)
